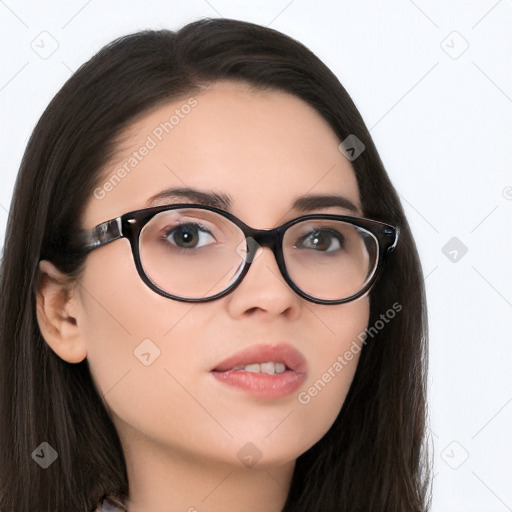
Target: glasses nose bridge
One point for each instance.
(257, 238)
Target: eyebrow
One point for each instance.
(304, 203)
(215, 199)
(314, 202)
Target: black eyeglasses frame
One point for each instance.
(130, 225)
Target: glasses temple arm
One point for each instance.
(396, 235)
(102, 234)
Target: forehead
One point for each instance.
(263, 149)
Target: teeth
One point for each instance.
(269, 368)
(280, 367)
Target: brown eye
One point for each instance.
(189, 236)
(324, 240)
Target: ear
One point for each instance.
(56, 313)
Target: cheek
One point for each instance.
(126, 326)
(334, 362)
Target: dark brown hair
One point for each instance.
(373, 457)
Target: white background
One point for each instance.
(442, 121)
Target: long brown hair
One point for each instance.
(373, 457)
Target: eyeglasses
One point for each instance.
(197, 253)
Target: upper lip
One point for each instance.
(282, 353)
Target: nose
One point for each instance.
(263, 291)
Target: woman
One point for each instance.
(163, 345)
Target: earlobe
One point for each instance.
(56, 313)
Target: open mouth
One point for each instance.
(264, 371)
(270, 368)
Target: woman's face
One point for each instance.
(152, 358)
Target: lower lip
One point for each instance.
(262, 385)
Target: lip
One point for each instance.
(263, 385)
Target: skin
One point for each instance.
(180, 429)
